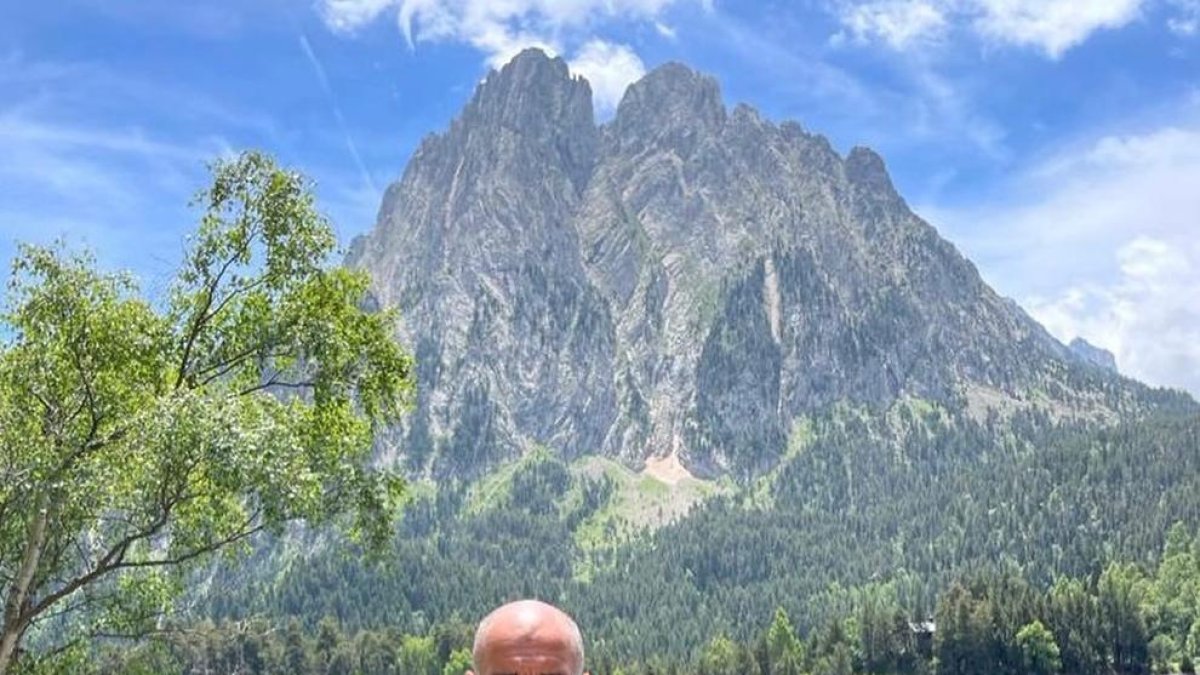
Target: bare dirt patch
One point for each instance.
(667, 469)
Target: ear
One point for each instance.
(470, 672)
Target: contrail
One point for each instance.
(319, 70)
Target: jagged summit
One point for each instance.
(865, 168)
(532, 87)
(682, 281)
(668, 102)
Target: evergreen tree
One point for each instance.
(785, 653)
(1122, 625)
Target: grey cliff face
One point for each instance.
(1089, 353)
(683, 279)
(474, 246)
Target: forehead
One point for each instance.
(527, 664)
(527, 657)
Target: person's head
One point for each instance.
(527, 637)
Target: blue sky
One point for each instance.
(1056, 142)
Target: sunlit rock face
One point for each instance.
(683, 279)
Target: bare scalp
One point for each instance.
(528, 633)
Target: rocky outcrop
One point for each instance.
(1096, 356)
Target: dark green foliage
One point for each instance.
(738, 384)
(875, 526)
(990, 624)
(865, 523)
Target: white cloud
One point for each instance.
(610, 68)
(479, 22)
(1099, 241)
(899, 23)
(346, 15)
(501, 28)
(1147, 316)
(1052, 26)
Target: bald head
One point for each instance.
(528, 637)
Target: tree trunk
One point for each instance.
(15, 618)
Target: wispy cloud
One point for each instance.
(327, 88)
(208, 20)
(1051, 26)
(111, 159)
(63, 87)
(914, 106)
(119, 192)
(1098, 240)
(72, 166)
(899, 23)
(14, 130)
(1186, 19)
(795, 68)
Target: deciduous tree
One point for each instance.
(137, 436)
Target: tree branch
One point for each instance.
(84, 449)
(61, 648)
(89, 396)
(229, 364)
(276, 383)
(202, 315)
(233, 294)
(87, 601)
(111, 558)
(210, 547)
(115, 559)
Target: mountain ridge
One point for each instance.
(682, 281)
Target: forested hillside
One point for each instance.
(892, 509)
(1122, 620)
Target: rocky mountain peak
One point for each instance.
(866, 169)
(534, 102)
(672, 104)
(533, 88)
(681, 282)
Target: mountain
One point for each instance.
(682, 282)
(1094, 355)
(689, 366)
